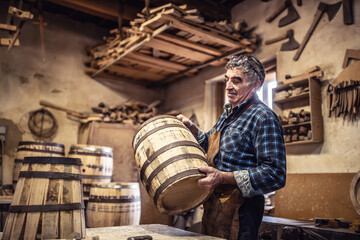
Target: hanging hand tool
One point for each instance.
(68, 111)
(330, 10)
(23, 15)
(291, 44)
(41, 27)
(289, 18)
(348, 12)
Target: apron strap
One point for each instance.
(214, 139)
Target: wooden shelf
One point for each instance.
(310, 100)
(296, 124)
(293, 98)
(166, 47)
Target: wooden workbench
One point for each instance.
(156, 231)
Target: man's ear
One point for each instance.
(256, 86)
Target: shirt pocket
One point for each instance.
(231, 141)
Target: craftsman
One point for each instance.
(246, 151)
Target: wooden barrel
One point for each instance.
(34, 149)
(48, 201)
(114, 204)
(168, 155)
(97, 164)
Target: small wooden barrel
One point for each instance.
(168, 155)
(48, 201)
(97, 164)
(114, 204)
(33, 149)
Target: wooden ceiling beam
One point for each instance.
(105, 9)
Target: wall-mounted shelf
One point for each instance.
(309, 100)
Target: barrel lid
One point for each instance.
(43, 143)
(355, 192)
(93, 148)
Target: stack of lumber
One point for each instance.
(128, 113)
(167, 41)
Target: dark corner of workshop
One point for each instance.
(176, 119)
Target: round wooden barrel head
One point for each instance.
(182, 196)
(355, 192)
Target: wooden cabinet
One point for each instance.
(301, 96)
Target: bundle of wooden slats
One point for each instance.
(168, 40)
(132, 113)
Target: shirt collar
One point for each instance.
(229, 109)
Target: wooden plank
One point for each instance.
(131, 72)
(177, 50)
(37, 196)
(22, 197)
(182, 73)
(134, 47)
(159, 61)
(50, 220)
(7, 41)
(77, 222)
(18, 199)
(148, 64)
(66, 216)
(204, 34)
(7, 27)
(187, 43)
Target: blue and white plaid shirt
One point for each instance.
(252, 147)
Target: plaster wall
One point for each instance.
(25, 80)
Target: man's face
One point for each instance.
(238, 87)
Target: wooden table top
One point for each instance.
(156, 231)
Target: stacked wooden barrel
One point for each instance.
(97, 164)
(114, 204)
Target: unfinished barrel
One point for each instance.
(48, 201)
(168, 157)
(97, 164)
(114, 204)
(32, 149)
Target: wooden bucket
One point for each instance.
(97, 164)
(168, 155)
(48, 201)
(34, 149)
(114, 204)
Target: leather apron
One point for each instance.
(221, 210)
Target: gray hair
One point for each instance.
(250, 65)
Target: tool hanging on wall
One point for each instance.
(343, 95)
(291, 16)
(348, 12)
(291, 44)
(330, 10)
(23, 16)
(350, 54)
(41, 28)
(42, 124)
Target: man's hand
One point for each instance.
(214, 178)
(190, 125)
